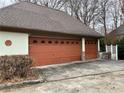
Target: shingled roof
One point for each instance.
(118, 31)
(30, 16)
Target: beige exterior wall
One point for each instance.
(19, 43)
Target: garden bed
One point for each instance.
(16, 71)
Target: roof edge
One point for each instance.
(37, 31)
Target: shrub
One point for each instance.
(14, 66)
(121, 49)
(102, 45)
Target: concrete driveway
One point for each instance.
(94, 77)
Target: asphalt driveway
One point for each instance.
(80, 69)
(93, 77)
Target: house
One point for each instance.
(48, 36)
(116, 35)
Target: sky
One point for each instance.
(4, 3)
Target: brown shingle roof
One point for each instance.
(118, 31)
(31, 16)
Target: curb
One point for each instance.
(20, 84)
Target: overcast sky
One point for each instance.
(5, 2)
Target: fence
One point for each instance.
(113, 49)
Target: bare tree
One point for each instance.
(73, 7)
(121, 4)
(115, 13)
(104, 6)
(55, 4)
(89, 11)
(84, 10)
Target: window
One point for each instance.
(56, 42)
(8, 42)
(62, 42)
(77, 42)
(35, 41)
(67, 42)
(42, 41)
(49, 42)
(72, 42)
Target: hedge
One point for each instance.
(121, 49)
(14, 66)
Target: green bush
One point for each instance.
(102, 45)
(121, 49)
(14, 66)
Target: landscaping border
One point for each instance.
(22, 83)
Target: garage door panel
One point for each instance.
(52, 55)
(56, 60)
(54, 51)
(91, 49)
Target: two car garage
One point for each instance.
(47, 35)
(47, 51)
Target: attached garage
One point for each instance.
(46, 51)
(46, 35)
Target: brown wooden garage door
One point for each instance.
(91, 49)
(54, 51)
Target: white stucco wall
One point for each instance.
(19, 43)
